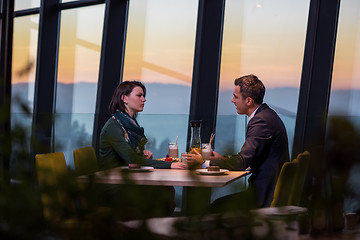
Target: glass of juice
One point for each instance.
(198, 149)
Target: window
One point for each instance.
(159, 52)
(345, 89)
(79, 59)
(25, 40)
(265, 39)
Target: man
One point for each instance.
(265, 148)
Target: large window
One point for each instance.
(79, 58)
(266, 39)
(159, 52)
(345, 89)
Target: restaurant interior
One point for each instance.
(61, 60)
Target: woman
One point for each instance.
(122, 140)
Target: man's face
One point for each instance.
(239, 101)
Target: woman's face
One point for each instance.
(135, 101)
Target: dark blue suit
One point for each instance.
(265, 150)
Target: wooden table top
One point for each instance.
(164, 177)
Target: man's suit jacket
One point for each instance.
(265, 150)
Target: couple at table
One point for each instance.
(122, 140)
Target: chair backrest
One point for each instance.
(290, 184)
(50, 167)
(284, 184)
(85, 160)
(303, 160)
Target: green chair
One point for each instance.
(284, 184)
(85, 160)
(303, 160)
(50, 167)
(290, 183)
(62, 207)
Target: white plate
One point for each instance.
(280, 211)
(141, 169)
(204, 171)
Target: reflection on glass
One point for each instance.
(159, 52)
(24, 61)
(79, 58)
(25, 4)
(265, 39)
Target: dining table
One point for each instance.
(196, 185)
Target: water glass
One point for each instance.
(206, 151)
(183, 158)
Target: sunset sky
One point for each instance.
(265, 38)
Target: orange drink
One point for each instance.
(198, 149)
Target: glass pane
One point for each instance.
(345, 94)
(25, 40)
(79, 59)
(25, 4)
(266, 39)
(345, 89)
(24, 60)
(159, 52)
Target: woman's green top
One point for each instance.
(115, 151)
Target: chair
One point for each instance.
(284, 184)
(64, 207)
(303, 160)
(50, 167)
(85, 160)
(290, 183)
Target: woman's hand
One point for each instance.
(179, 165)
(194, 160)
(148, 154)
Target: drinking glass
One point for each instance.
(206, 151)
(183, 158)
(173, 150)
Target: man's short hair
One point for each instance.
(251, 86)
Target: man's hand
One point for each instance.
(216, 156)
(148, 154)
(194, 160)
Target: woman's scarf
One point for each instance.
(134, 134)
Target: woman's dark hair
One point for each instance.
(251, 86)
(124, 88)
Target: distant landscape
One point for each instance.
(76, 105)
(174, 99)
